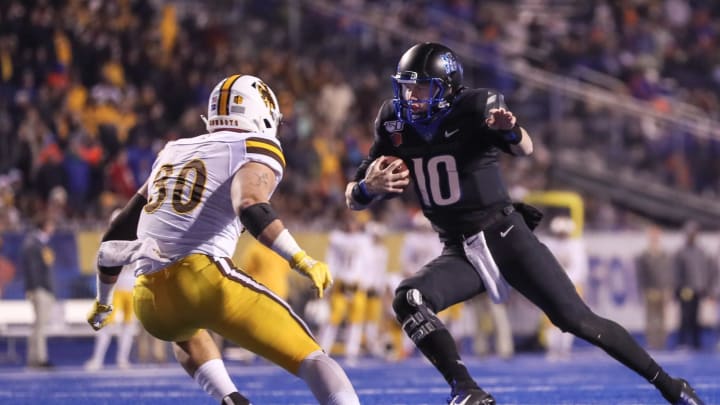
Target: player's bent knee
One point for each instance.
(405, 302)
(327, 380)
(416, 318)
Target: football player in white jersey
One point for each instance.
(125, 328)
(347, 300)
(569, 249)
(374, 282)
(182, 227)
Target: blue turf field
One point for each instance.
(590, 378)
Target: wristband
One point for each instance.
(360, 194)
(104, 292)
(513, 135)
(285, 245)
(363, 188)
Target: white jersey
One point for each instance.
(572, 256)
(189, 207)
(375, 268)
(126, 279)
(418, 249)
(345, 256)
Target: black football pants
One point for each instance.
(530, 268)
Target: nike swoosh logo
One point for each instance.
(505, 232)
(451, 133)
(465, 401)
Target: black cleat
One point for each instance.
(472, 396)
(235, 398)
(688, 395)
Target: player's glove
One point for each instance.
(99, 315)
(316, 271)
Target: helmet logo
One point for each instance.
(449, 62)
(265, 94)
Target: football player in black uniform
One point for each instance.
(449, 137)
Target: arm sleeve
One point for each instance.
(124, 227)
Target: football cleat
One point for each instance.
(235, 398)
(472, 396)
(688, 395)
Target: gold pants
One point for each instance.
(199, 292)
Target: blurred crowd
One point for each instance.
(90, 90)
(662, 52)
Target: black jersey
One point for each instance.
(455, 173)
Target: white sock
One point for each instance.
(102, 341)
(214, 379)
(373, 339)
(125, 341)
(554, 340)
(567, 342)
(352, 346)
(327, 337)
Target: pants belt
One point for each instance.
(490, 219)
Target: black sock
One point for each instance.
(439, 347)
(668, 386)
(618, 343)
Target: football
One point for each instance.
(387, 160)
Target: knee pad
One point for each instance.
(416, 318)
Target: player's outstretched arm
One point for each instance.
(122, 227)
(250, 192)
(505, 123)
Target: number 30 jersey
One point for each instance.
(189, 207)
(453, 165)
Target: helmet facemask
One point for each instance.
(429, 107)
